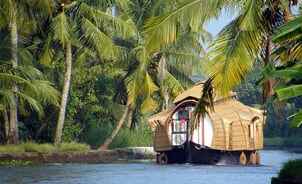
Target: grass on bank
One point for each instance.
(30, 147)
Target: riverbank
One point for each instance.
(292, 144)
(91, 156)
(32, 153)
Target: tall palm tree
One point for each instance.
(88, 22)
(20, 17)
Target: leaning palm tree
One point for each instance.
(158, 76)
(87, 22)
(20, 18)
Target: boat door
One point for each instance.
(180, 125)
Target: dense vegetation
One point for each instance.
(92, 71)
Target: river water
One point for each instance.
(148, 173)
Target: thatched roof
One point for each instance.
(233, 110)
(196, 92)
(225, 108)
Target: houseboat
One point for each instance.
(230, 134)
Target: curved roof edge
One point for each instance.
(196, 92)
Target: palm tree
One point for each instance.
(158, 75)
(33, 92)
(288, 73)
(82, 21)
(238, 45)
(20, 17)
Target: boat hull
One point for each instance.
(196, 154)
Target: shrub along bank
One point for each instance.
(291, 173)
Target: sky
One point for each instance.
(215, 26)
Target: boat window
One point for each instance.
(251, 130)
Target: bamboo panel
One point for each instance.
(259, 133)
(161, 139)
(220, 138)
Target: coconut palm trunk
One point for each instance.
(268, 85)
(166, 99)
(162, 72)
(120, 123)
(6, 125)
(65, 92)
(130, 118)
(13, 134)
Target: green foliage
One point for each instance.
(71, 131)
(132, 138)
(291, 170)
(96, 132)
(297, 120)
(288, 38)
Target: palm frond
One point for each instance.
(122, 27)
(45, 92)
(173, 85)
(288, 37)
(140, 84)
(182, 76)
(162, 30)
(236, 48)
(100, 41)
(61, 28)
(33, 103)
(7, 98)
(205, 103)
(289, 92)
(297, 120)
(289, 31)
(47, 53)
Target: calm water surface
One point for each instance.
(148, 173)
